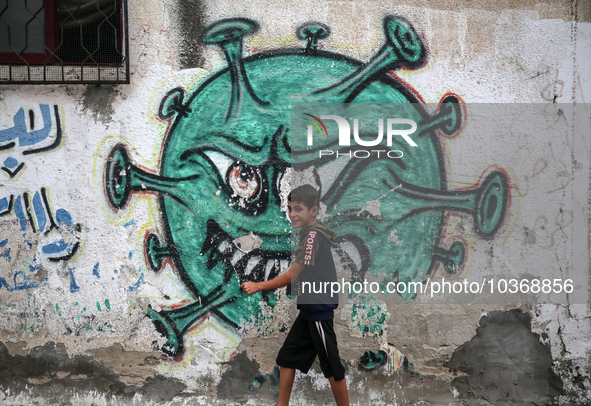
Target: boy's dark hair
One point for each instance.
(305, 194)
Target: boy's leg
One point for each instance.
(325, 341)
(297, 351)
(339, 390)
(286, 377)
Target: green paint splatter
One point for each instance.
(107, 305)
(98, 306)
(369, 316)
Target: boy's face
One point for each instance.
(300, 215)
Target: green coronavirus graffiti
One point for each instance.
(229, 144)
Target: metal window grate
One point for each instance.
(63, 41)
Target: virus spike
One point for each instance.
(403, 48)
(155, 252)
(173, 324)
(229, 34)
(451, 258)
(312, 32)
(486, 202)
(122, 178)
(448, 119)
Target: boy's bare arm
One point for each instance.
(278, 282)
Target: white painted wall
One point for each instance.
(484, 56)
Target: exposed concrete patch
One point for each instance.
(432, 323)
(264, 350)
(19, 348)
(20, 247)
(505, 361)
(42, 364)
(191, 23)
(583, 13)
(237, 380)
(162, 389)
(47, 372)
(132, 366)
(99, 100)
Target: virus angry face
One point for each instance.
(229, 185)
(219, 192)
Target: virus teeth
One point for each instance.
(256, 266)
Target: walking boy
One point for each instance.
(312, 332)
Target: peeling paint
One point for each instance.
(248, 242)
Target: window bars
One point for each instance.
(63, 41)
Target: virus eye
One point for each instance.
(244, 180)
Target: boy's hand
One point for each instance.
(250, 288)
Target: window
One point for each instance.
(63, 41)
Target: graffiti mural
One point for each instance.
(31, 140)
(35, 213)
(227, 149)
(52, 234)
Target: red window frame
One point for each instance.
(38, 58)
(49, 57)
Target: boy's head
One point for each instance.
(302, 203)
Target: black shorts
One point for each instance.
(305, 340)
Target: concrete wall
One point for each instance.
(82, 263)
